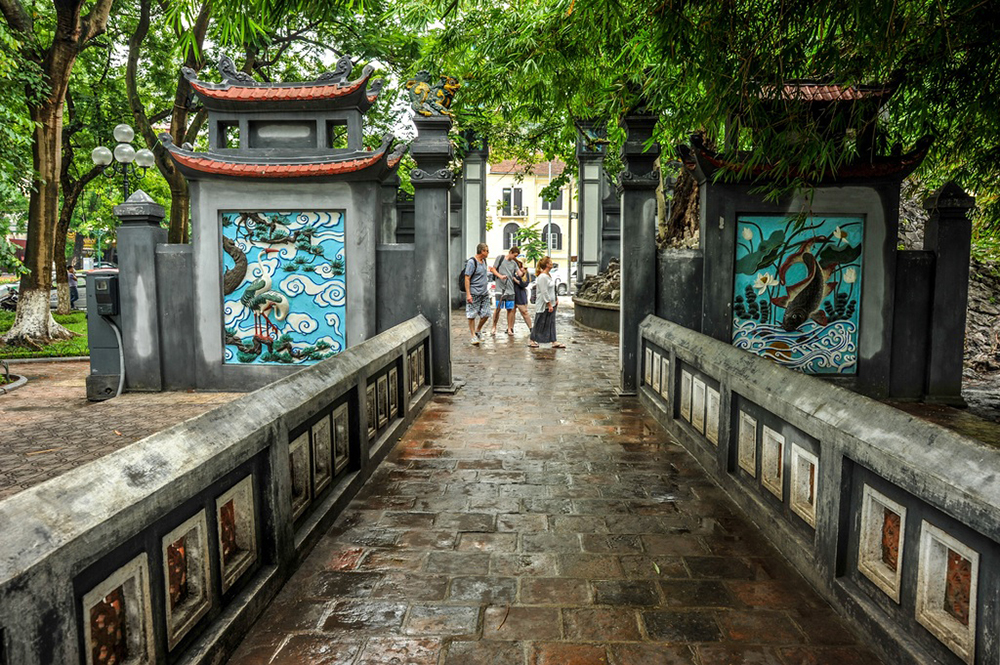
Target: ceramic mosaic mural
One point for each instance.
(798, 291)
(284, 287)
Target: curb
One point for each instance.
(13, 386)
(54, 359)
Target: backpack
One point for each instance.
(461, 275)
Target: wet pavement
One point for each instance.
(537, 519)
(48, 427)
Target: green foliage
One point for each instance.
(529, 239)
(77, 346)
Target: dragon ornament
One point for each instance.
(429, 100)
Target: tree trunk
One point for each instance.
(59, 261)
(33, 323)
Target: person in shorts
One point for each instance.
(477, 295)
(505, 270)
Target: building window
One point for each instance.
(513, 203)
(553, 205)
(509, 231)
(552, 236)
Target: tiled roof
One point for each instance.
(512, 166)
(816, 92)
(290, 93)
(272, 170)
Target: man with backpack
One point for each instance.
(477, 295)
(505, 270)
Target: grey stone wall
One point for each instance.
(817, 468)
(679, 286)
(70, 542)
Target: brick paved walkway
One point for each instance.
(48, 427)
(536, 518)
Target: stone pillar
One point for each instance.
(387, 204)
(638, 183)
(432, 183)
(456, 219)
(138, 236)
(590, 147)
(948, 233)
(473, 195)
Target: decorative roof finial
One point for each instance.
(430, 100)
(340, 72)
(227, 68)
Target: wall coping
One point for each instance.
(148, 474)
(955, 473)
(597, 305)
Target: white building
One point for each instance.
(514, 201)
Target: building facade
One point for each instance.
(514, 201)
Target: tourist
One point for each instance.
(74, 293)
(477, 294)
(504, 270)
(544, 330)
(521, 282)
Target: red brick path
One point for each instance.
(535, 518)
(48, 427)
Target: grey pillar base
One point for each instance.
(956, 401)
(455, 386)
(622, 392)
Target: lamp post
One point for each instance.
(125, 160)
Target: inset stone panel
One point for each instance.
(698, 404)
(772, 462)
(656, 372)
(746, 445)
(382, 390)
(371, 407)
(118, 617)
(685, 408)
(883, 534)
(186, 576)
(947, 585)
(664, 376)
(322, 455)
(393, 392)
(236, 515)
(647, 367)
(298, 461)
(712, 404)
(414, 372)
(805, 478)
(421, 366)
(341, 438)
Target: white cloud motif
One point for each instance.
(302, 323)
(329, 294)
(333, 319)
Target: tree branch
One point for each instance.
(17, 17)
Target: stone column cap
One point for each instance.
(140, 208)
(950, 195)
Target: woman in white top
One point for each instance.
(544, 330)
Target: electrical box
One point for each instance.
(106, 292)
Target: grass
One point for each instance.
(77, 346)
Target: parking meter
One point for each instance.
(106, 292)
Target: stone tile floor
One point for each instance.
(536, 519)
(48, 427)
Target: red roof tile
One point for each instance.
(512, 166)
(210, 165)
(284, 93)
(815, 92)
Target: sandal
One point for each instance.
(510, 332)
(557, 345)
(532, 346)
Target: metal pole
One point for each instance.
(548, 236)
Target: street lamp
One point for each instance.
(125, 159)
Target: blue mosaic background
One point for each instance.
(290, 307)
(797, 291)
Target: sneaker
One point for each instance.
(475, 341)
(479, 335)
